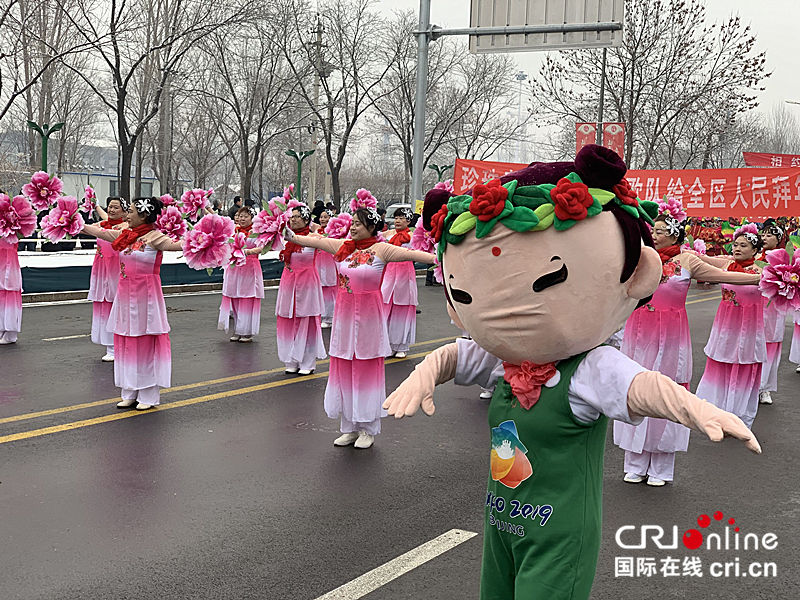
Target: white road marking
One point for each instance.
(380, 576)
(66, 337)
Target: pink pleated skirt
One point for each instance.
(101, 312)
(142, 362)
(356, 390)
(246, 313)
(402, 326)
(11, 310)
(732, 387)
(299, 338)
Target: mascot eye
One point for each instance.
(551, 279)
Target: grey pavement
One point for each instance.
(243, 496)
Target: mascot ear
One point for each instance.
(646, 276)
(454, 315)
(434, 200)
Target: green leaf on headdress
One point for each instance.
(463, 223)
(458, 205)
(546, 216)
(532, 196)
(522, 219)
(511, 186)
(631, 210)
(602, 196)
(574, 178)
(484, 228)
(648, 210)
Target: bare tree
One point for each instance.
(673, 73)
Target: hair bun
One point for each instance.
(600, 167)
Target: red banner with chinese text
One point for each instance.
(765, 159)
(585, 134)
(754, 193)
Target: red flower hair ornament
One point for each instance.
(572, 199)
(437, 223)
(489, 200)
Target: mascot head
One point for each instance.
(547, 262)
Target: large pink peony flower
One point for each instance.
(673, 207)
(43, 191)
(363, 199)
(171, 223)
(447, 184)
(780, 280)
(238, 246)
(269, 224)
(17, 219)
(193, 203)
(89, 197)
(288, 192)
(167, 200)
(338, 227)
(62, 220)
(437, 266)
(207, 245)
(422, 239)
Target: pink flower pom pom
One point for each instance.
(700, 246)
(447, 184)
(338, 227)
(171, 223)
(268, 225)
(780, 280)
(673, 207)
(88, 200)
(43, 191)
(749, 228)
(206, 246)
(422, 239)
(167, 200)
(363, 199)
(17, 219)
(437, 266)
(193, 202)
(62, 220)
(238, 246)
(88, 193)
(288, 192)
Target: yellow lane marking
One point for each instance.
(708, 293)
(177, 388)
(14, 437)
(715, 297)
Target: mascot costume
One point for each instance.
(541, 267)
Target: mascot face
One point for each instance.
(545, 296)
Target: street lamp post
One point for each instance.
(299, 157)
(440, 171)
(45, 132)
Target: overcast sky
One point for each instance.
(776, 23)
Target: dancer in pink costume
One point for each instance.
(243, 287)
(794, 351)
(327, 275)
(300, 303)
(10, 293)
(399, 289)
(356, 386)
(772, 237)
(105, 276)
(657, 337)
(138, 319)
(737, 346)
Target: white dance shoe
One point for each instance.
(346, 439)
(764, 397)
(324, 325)
(245, 339)
(486, 394)
(107, 358)
(633, 478)
(141, 406)
(305, 372)
(291, 370)
(127, 403)
(655, 481)
(364, 440)
(400, 355)
(234, 338)
(797, 370)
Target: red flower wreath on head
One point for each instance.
(624, 192)
(437, 223)
(571, 200)
(489, 200)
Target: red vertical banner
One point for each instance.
(585, 134)
(614, 137)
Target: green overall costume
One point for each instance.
(544, 500)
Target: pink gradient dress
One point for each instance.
(356, 387)
(10, 292)
(102, 290)
(299, 309)
(774, 328)
(242, 291)
(657, 337)
(399, 290)
(138, 320)
(736, 350)
(329, 278)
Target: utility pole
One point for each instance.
(520, 77)
(599, 132)
(312, 184)
(423, 38)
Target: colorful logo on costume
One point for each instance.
(509, 464)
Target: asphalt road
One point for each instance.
(233, 489)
